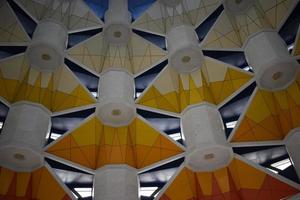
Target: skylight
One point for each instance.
(84, 192)
(95, 94)
(248, 68)
(147, 191)
(137, 94)
(54, 136)
(291, 47)
(175, 136)
(231, 124)
(283, 164)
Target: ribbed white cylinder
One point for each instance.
(274, 67)
(117, 29)
(237, 7)
(23, 136)
(170, 3)
(46, 51)
(207, 148)
(185, 55)
(292, 142)
(115, 182)
(116, 105)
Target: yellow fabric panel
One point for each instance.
(205, 182)
(245, 176)
(259, 108)
(145, 134)
(22, 183)
(222, 179)
(36, 177)
(48, 183)
(6, 178)
(93, 145)
(78, 97)
(195, 88)
(29, 85)
(183, 187)
(86, 134)
(270, 115)
(153, 98)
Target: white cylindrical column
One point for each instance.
(115, 182)
(23, 137)
(185, 55)
(116, 105)
(274, 67)
(237, 7)
(207, 148)
(292, 143)
(171, 3)
(46, 51)
(117, 29)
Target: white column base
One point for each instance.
(185, 55)
(207, 148)
(117, 29)
(116, 106)
(275, 69)
(115, 182)
(46, 52)
(23, 137)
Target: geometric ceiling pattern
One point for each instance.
(159, 18)
(270, 115)
(11, 30)
(90, 144)
(231, 31)
(98, 55)
(33, 185)
(214, 83)
(238, 181)
(75, 15)
(59, 90)
(94, 145)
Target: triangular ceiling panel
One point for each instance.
(11, 30)
(159, 18)
(231, 31)
(57, 91)
(39, 184)
(94, 145)
(270, 115)
(137, 56)
(238, 181)
(74, 14)
(214, 82)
